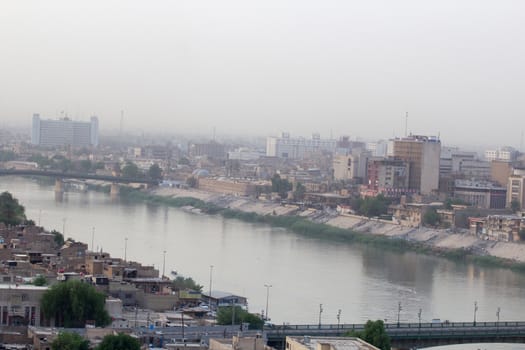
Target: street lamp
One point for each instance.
(209, 296)
(320, 312)
(125, 249)
(419, 316)
(268, 286)
(399, 308)
(497, 314)
(475, 311)
(338, 318)
(93, 239)
(164, 264)
(64, 226)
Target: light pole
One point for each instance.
(39, 216)
(268, 286)
(126, 249)
(399, 308)
(64, 227)
(93, 239)
(497, 315)
(320, 312)
(475, 311)
(209, 296)
(419, 316)
(338, 318)
(164, 265)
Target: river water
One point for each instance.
(363, 282)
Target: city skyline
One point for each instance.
(334, 67)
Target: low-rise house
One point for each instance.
(20, 304)
(220, 299)
(327, 343)
(497, 227)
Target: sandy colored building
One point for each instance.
(423, 154)
(327, 343)
(227, 186)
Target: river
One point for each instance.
(363, 282)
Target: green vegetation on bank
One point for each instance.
(311, 229)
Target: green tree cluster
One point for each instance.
(375, 334)
(431, 217)
(155, 172)
(6, 156)
(224, 317)
(11, 212)
(300, 190)
(130, 170)
(69, 341)
(281, 186)
(185, 283)
(120, 341)
(71, 303)
(40, 281)
(371, 206)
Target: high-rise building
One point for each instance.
(297, 148)
(423, 154)
(64, 132)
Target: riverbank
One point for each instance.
(343, 228)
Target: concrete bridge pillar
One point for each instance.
(114, 190)
(59, 185)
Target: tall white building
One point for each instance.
(64, 132)
(297, 148)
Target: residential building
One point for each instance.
(423, 154)
(220, 299)
(64, 132)
(351, 166)
(481, 194)
(516, 188)
(327, 343)
(496, 227)
(507, 154)
(239, 343)
(210, 149)
(500, 171)
(388, 176)
(298, 148)
(227, 186)
(20, 305)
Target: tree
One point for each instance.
(11, 212)
(375, 334)
(154, 172)
(71, 303)
(120, 341)
(371, 206)
(58, 238)
(521, 233)
(515, 205)
(185, 283)
(69, 341)
(224, 317)
(191, 181)
(300, 190)
(281, 186)
(40, 281)
(431, 217)
(130, 170)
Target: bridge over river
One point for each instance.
(412, 335)
(60, 176)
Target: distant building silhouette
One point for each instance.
(64, 132)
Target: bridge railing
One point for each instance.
(393, 326)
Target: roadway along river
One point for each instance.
(364, 282)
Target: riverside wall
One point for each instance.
(436, 238)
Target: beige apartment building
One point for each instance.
(423, 154)
(327, 343)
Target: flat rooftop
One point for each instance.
(335, 343)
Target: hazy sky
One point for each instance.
(261, 67)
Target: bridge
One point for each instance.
(59, 176)
(412, 335)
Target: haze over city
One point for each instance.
(260, 68)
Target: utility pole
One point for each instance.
(320, 312)
(419, 317)
(399, 308)
(475, 311)
(164, 265)
(338, 318)
(268, 286)
(209, 296)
